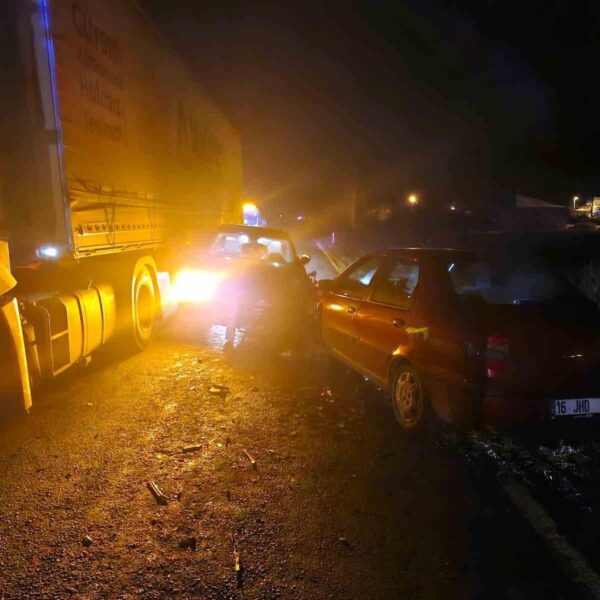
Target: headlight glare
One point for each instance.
(194, 285)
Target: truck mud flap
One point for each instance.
(12, 324)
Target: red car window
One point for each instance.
(357, 279)
(399, 286)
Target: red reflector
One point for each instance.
(496, 356)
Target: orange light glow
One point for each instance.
(249, 207)
(336, 307)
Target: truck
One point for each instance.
(112, 156)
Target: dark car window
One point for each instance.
(399, 286)
(355, 281)
(510, 284)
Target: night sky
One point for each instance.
(461, 102)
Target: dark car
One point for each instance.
(251, 278)
(471, 341)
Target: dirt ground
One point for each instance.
(338, 504)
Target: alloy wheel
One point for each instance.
(408, 399)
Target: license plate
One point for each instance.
(574, 407)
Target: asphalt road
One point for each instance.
(339, 504)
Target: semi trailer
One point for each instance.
(112, 156)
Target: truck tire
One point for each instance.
(138, 303)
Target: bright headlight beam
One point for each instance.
(194, 285)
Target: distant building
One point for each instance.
(532, 214)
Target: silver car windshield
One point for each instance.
(239, 244)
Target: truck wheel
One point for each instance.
(139, 302)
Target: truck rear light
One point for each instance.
(496, 357)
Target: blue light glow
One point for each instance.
(48, 252)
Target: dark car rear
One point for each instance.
(542, 338)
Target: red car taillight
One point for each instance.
(496, 357)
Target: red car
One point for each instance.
(467, 340)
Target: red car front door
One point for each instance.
(342, 302)
(387, 324)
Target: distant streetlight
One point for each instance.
(575, 198)
(452, 207)
(413, 199)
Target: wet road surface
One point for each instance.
(338, 505)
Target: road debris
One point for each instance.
(218, 390)
(192, 448)
(237, 563)
(305, 393)
(252, 461)
(565, 456)
(158, 494)
(164, 451)
(188, 543)
(87, 541)
(345, 541)
(327, 394)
